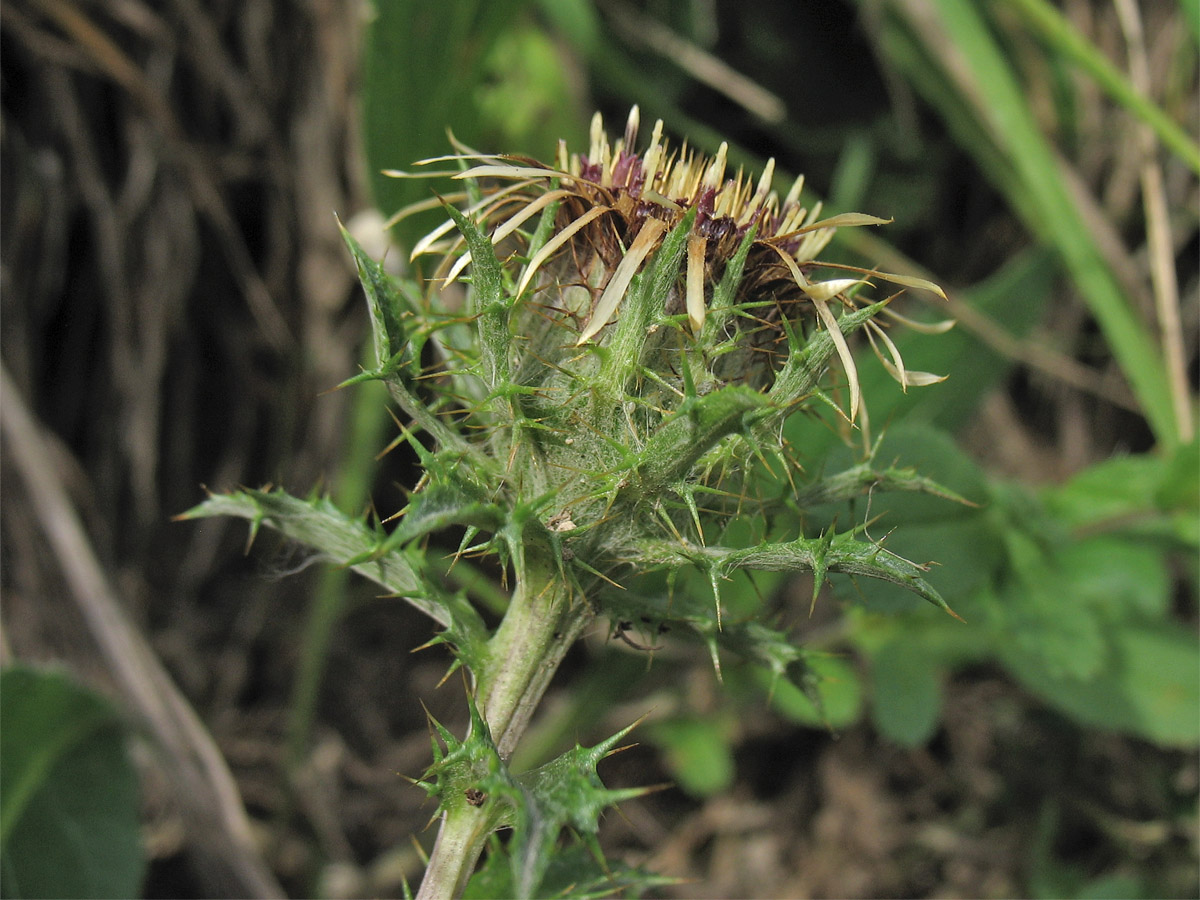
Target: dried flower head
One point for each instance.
(613, 207)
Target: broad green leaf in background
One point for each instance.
(1147, 496)
(478, 68)
(833, 682)
(907, 692)
(697, 752)
(1149, 688)
(69, 817)
(1014, 297)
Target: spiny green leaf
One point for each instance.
(725, 291)
(468, 777)
(865, 478)
(440, 506)
(564, 792)
(806, 362)
(488, 302)
(692, 613)
(842, 553)
(575, 871)
(700, 422)
(319, 524)
(643, 307)
(384, 303)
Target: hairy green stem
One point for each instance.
(460, 840)
(542, 622)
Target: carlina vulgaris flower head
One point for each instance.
(613, 208)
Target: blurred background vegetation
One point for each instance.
(177, 303)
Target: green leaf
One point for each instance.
(1122, 579)
(701, 422)
(962, 538)
(1108, 491)
(907, 692)
(440, 506)
(1148, 689)
(474, 785)
(921, 451)
(385, 304)
(1179, 488)
(832, 553)
(807, 361)
(865, 480)
(319, 524)
(829, 696)
(488, 302)
(573, 871)
(697, 752)
(1148, 496)
(565, 792)
(643, 307)
(69, 809)
(967, 552)
(1059, 634)
(393, 353)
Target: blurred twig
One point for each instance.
(706, 68)
(1158, 228)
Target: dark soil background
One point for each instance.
(177, 305)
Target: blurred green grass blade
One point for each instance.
(1042, 198)
(422, 63)
(576, 20)
(352, 489)
(852, 178)
(1064, 39)
(1191, 13)
(921, 67)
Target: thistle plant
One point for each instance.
(595, 380)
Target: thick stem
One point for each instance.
(541, 624)
(459, 842)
